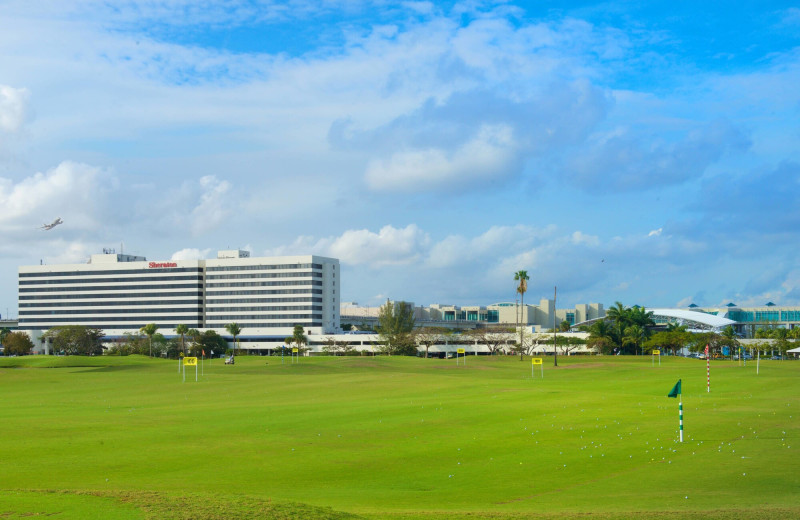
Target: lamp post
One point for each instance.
(555, 342)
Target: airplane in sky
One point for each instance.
(48, 227)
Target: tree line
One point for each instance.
(631, 330)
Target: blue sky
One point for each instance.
(642, 152)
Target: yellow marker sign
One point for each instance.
(190, 361)
(460, 351)
(294, 351)
(537, 361)
(656, 352)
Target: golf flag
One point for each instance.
(204, 352)
(676, 390)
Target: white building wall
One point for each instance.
(121, 293)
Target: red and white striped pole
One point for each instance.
(708, 371)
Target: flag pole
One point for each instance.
(676, 392)
(708, 371)
(680, 414)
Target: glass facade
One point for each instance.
(127, 295)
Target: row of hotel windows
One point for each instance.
(68, 320)
(119, 295)
(264, 267)
(158, 311)
(107, 327)
(171, 270)
(110, 304)
(113, 272)
(210, 301)
(265, 284)
(172, 286)
(194, 278)
(130, 303)
(210, 308)
(239, 317)
(95, 296)
(107, 288)
(157, 320)
(304, 274)
(70, 312)
(279, 291)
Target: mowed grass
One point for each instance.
(394, 437)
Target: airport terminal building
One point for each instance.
(120, 293)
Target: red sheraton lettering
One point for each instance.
(162, 264)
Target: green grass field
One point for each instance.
(392, 437)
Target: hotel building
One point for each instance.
(120, 293)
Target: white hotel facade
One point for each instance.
(120, 293)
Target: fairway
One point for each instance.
(396, 437)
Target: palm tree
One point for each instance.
(234, 330)
(634, 335)
(730, 338)
(620, 316)
(641, 316)
(182, 329)
(298, 336)
(601, 337)
(521, 277)
(150, 329)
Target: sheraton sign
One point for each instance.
(152, 265)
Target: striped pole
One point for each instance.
(680, 416)
(708, 371)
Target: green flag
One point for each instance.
(676, 390)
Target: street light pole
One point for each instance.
(555, 342)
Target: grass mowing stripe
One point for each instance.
(387, 437)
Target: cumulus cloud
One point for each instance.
(455, 250)
(362, 247)
(388, 246)
(625, 161)
(191, 254)
(213, 206)
(473, 138)
(74, 252)
(490, 155)
(74, 191)
(13, 108)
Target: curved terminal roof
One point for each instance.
(692, 319)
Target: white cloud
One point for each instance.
(655, 232)
(213, 207)
(387, 247)
(14, 114)
(491, 154)
(70, 252)
(582, 238)
(191, 254)
(455, 250)
(13, 108)
(76, 192)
